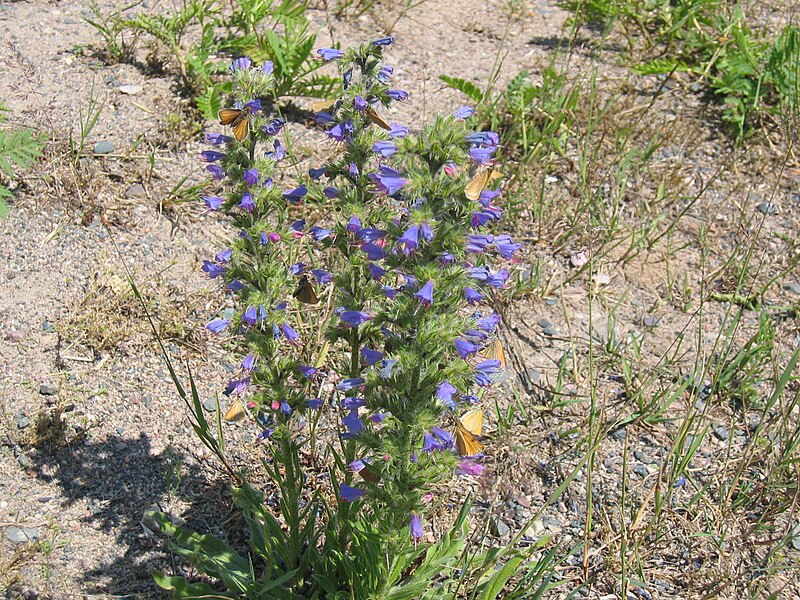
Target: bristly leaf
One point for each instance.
(472, 91)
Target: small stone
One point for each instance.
(103, 147)
(14, 335)
(619, 434)
(48, 389)
(650, 321)
(498, 528)
(21, 535)
(767, 208)
(551, 301)
(24, 461)
(794, 288)
(721, 432)
(641, 456)
(533, 375)
(550, 331)
(120, 446)
(48, 327)
(23, 422)
(544, 323)
(130, 88)
(535, 529)
(70, 21)
(210, 404)
(135, 191)
(640, 470)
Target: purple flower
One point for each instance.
(505, 246)
(278, 153)
(353, 424)
(370, 234)
(248, 362)
(415, 528)
(267, 68)
(384, 41)
(489, 323)
(217, 325)
(250, 316)
(213, 202)
(472, 295)
(350, 494)
(360, 104)
(274, 127)
(322, 276)
(465, 112)
(398, 130)
(399, 95)
(218, 139)
(250, 176)
(319, 233)
(263, 238)
(354, 224)
(444, 437)
(378, 417)
(376, 272)
(446, 258)
(235, 285)
(307, 371)
(353, 403)
(285, 408)
(291, 335)
(425, 231)
(324, 118)
(216, 171)
(410, 239)
(484, 371)
(353, 170)
(349, 384)
(341, 132)
(330, 192)
(498, 280)
(478, 243)
(240, 64)
(387, 366)
(371, 356)
(247, 204)
(385, 149)
(329, 54)
(298, 225)
(465, 348)
(297, 268)
(479, 273)
(354, 318)
(211, 155)
(213, 270)
(475, 336)
(484, 138)
(265, 435)
(373, 251)
(236, 386)
(314, 403)
(389, 292)
(482, 155)
(388, 180)
(431, 444)
(296, 195)
(425, 295)
(253, 105)
(470, 467)
(385, 73)
(315, 174)
(444, 392)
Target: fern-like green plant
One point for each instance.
(19, 149)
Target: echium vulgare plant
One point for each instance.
(367, 333)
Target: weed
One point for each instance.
(19, 148)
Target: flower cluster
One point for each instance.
(406, 266)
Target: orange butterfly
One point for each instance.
(305, 292)
(375, 118)
(236, 412)
(479, 181)
(468, 427)
(238, 119)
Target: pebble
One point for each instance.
(535, 529)
(48, 327)
(793, 288)
(23, 422)
(120, 446)
(135, 191)
(619, 434)
(21, 535)
(14, 335)
(24, 461)
(640, 470)
(767, 208)
(48, 389)
(721, 432)
(498, 527)
(650, 321)
(210, 404)
(103, 147)
(130, 89)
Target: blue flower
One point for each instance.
(370, 234)
(353, 424)
(291, 335)
(341, 132)
(250, 176)
(324, 118)
(482, 155)
(505, 246)
(330, 192)
(329, 54)
(248, 362)
(350, 494)
(349, 384)
(235, 285)
(213, 202)
(444, 392)
(499, 279)
(415, 528)
(353, 403)
(371, 356)
(354, 224)
(247, 204)
(489, 323)
(388, 180)
(410, 239)
(465, 112)
(267, 68)
(240, 64)
(399, 95)
(250, 316)
(354, 318)
(297, 268)
(389, 292)
(446, 258)
(384, 41)
(387, 366)
(360, 104)
(478, 243)
(472, 295)
(484, 138)
(314, 403)
(224, 256)
(465, 348)
(307, 371)
(213, 269)
(425, 231)
(217, 325)
(385, 149)
(398, 131)
(274, 127)
(444, 437)
(373, 251)
(375, 271)
(218, 139)
(211, 155)
(385, 73)
(279, 152)
(296, 195)
(319, 233)
(315, 174)
(425, 295)
(285, 408)
(298, 225)
(216, 171)
(322, 276)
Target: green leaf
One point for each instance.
(183, 589)
(498, 581)
(472, 91)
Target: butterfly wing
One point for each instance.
(495, 351)
(236, 412)
(375, 118)
(472, 421)
(466, 442)
(305, 292)
(476, 184)
(229, 115)
(241, 127)
(322, 105)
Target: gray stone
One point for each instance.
(498, 527)
(794, 288)
(48, 327)
(650, 321)
(21, 535)
(210, 404)
(619, 434)
(721, 432)
(640, 470)
(23, 422)
(103, 147)
(48, 389)
(24, 461)
(767, 208)
(135, 191)
(120, 446)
